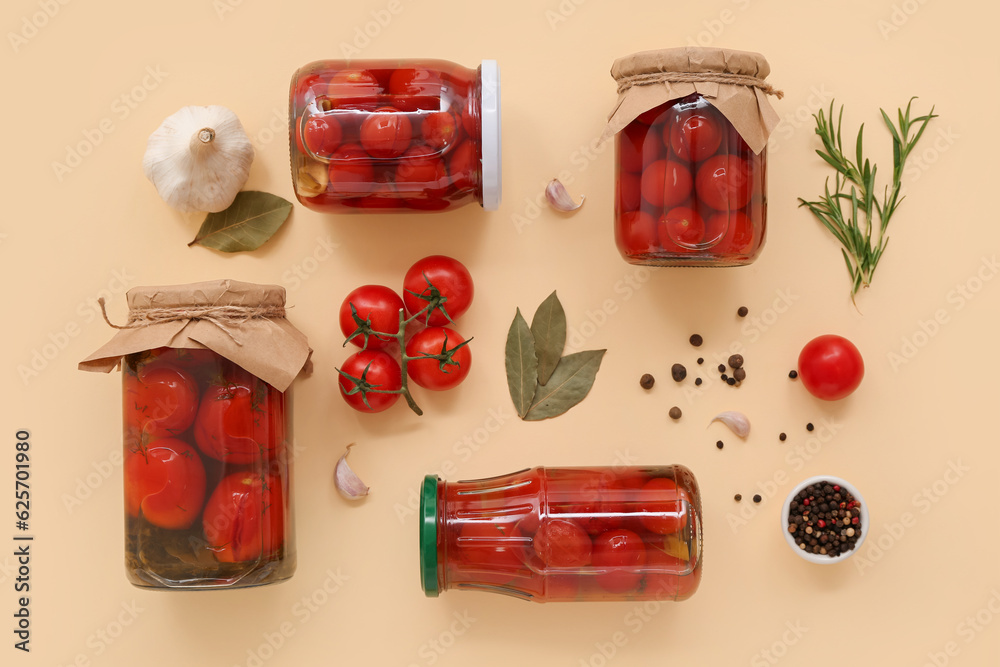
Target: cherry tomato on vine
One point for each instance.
(244, 517)
(165, 482)
(160, 400)
(437, 374)
(377, 370)
(831, 367)
(376, 305)
(622, 553)
(438, 279)
(562, 543)
(241, 420)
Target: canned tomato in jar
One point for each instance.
(206, 370)
(395, 135)
(691, 129)
(564, 534)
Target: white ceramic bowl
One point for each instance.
(820, 558)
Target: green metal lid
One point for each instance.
(428, 536)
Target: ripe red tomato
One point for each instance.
(386, 133)
(724, 182)
(449, 278)
(620, 554)
(666, 183)
(464, 166)
(244, 517)
(562, 543)
(429, 373)
(663, 512)
(636, 233)
(694, 134)
(376, 303)
(415, 81)
(308, 88)
(738, 238)
(165, 482)
(439, 129)
(489, 544)
(629, 191)
(352, 172)
(159, 400)
(241, 420)
(630, 147)
(380, 371)
(831, 367)
(353, 86)
(683, 226)
(421, 171)
(322, 135)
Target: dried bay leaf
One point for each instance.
(521, 363)
(548, 327)
(569, 384)
(249, 222)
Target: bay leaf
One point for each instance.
(249, 222)
(548, 327)
(522, 365)
(570, 383)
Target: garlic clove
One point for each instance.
(559, 198)
(199, 158)
(312, 179)
(346, 481)
(736, 421)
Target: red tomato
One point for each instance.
(682, 226)
(432, 373)
(621, 555)
(464, 166)
(489, 544)
(241, 420)
(420, 171)
(376, 303)
(636, 233)
(666, 183)
(470, 117)
(412, 81)
(664, 578)
(380, 371)
(322, 135)
(739, 237)
(308, 87)
(444, 276)
(562, 543)
(630, 147)
(724, 182)
(386, 133)
(439, 129)
(351, 171)
(661, 505)
(165, 482)
(694, 134)
(831, 367)
(629, 191)
(159, 400)
(245, 517)
(353, 86)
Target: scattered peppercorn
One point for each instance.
(782, 436)
(725, 378)
(742, 311)
(720, 444)
(731, 381)
(678, 372)
(809, 426)
(735, 360)
(696, 340)
(722, 368)
(646, 381)
(757, 498)
(675, 413)
(738, 497)
(793, 374)
(740, 374)
(701, 360)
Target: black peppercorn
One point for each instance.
(731, 381)
(793, 374)
(697, 381)
(646, 381)
(701, 360)
(720, 444)
(722, 368)
(757, 498)
(675, 413)
(742, 311)
(678, 372)
(810, 427)
(782, 436)
(740, 374)
(738, 497)
(735, 360)
(695, 340)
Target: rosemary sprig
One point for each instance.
(851, 211)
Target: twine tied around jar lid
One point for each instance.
(731, 81)
(224, 317)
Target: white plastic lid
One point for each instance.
(490, 130)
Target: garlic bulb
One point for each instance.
(199, 158)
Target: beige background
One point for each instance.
(68, 238)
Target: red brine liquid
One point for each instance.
(563, 534)
(380, 135)
(689, 190)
